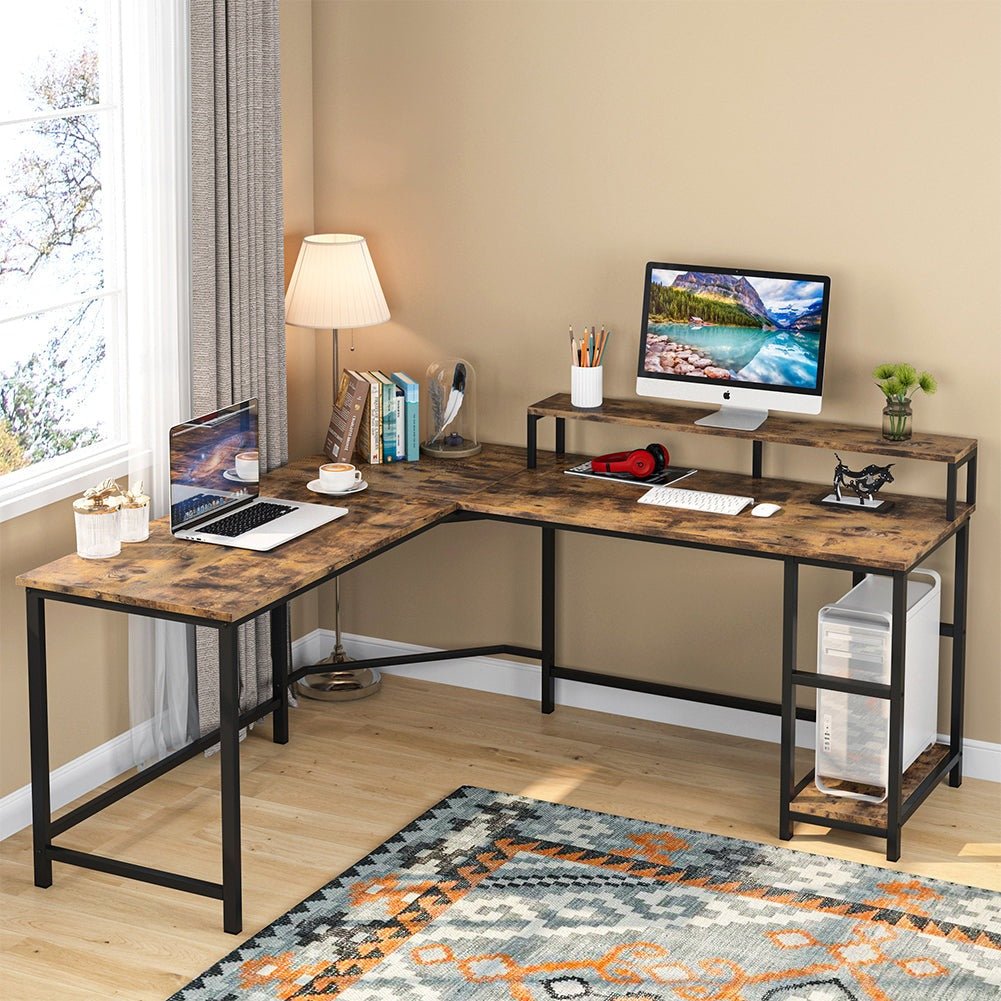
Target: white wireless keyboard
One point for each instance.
(695, 500)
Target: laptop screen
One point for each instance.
(204, 478)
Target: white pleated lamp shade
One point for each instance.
(334, 285)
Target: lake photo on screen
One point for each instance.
(732, 327)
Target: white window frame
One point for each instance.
(62, 477)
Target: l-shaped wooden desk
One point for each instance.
(221, 588)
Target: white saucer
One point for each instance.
(314, 485)
(232, 474)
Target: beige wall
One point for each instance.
(88, 650)
(514, 165)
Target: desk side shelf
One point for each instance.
(802, 801)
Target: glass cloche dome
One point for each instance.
(450, 410)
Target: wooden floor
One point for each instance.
(354, 774)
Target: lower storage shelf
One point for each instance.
(810, 800)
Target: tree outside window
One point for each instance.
(59, 295)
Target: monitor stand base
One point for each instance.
(734, 418)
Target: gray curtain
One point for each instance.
(238, 270)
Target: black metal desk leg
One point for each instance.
(38, 723)
(790, 617)
(279, 673)
(561, 436)
(548, 618)
(971, 478)
(960, 578)
(894, 782)
(532, 441)
(229, 756)
(757, 450)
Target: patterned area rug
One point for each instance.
(499, 898)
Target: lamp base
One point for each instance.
(343, 685)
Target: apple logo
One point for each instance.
(726, 394)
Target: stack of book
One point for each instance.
(375, 418)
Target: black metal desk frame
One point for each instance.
(45, 828)
(229, 890)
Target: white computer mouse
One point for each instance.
(765, 510)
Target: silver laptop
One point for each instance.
(214, 473)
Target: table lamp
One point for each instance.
(334, 285)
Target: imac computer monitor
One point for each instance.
(751, 341)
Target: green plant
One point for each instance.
(898, 382)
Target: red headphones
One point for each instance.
(641, 462)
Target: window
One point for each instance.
(62, 300)
(94, 148)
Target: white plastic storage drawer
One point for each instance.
(853, 641)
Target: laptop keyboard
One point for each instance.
(247, 519)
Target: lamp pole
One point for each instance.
(335, 285)
(338, 654)
(346, 684)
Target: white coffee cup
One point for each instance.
(338, 476)
(248, 466)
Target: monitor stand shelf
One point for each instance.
(778, 429)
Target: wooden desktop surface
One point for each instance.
(219, 584)
(439, 479)
(896, 540)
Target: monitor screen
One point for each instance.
(753, 329)
(203, 475)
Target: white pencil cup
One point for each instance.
(585, 386)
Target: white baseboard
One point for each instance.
(981, 760)
(70, 781)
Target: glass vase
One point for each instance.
(897, 420)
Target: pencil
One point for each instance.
(572, 362)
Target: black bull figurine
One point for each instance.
(864, 482)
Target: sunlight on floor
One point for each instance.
(982, 849)
(554, 786)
